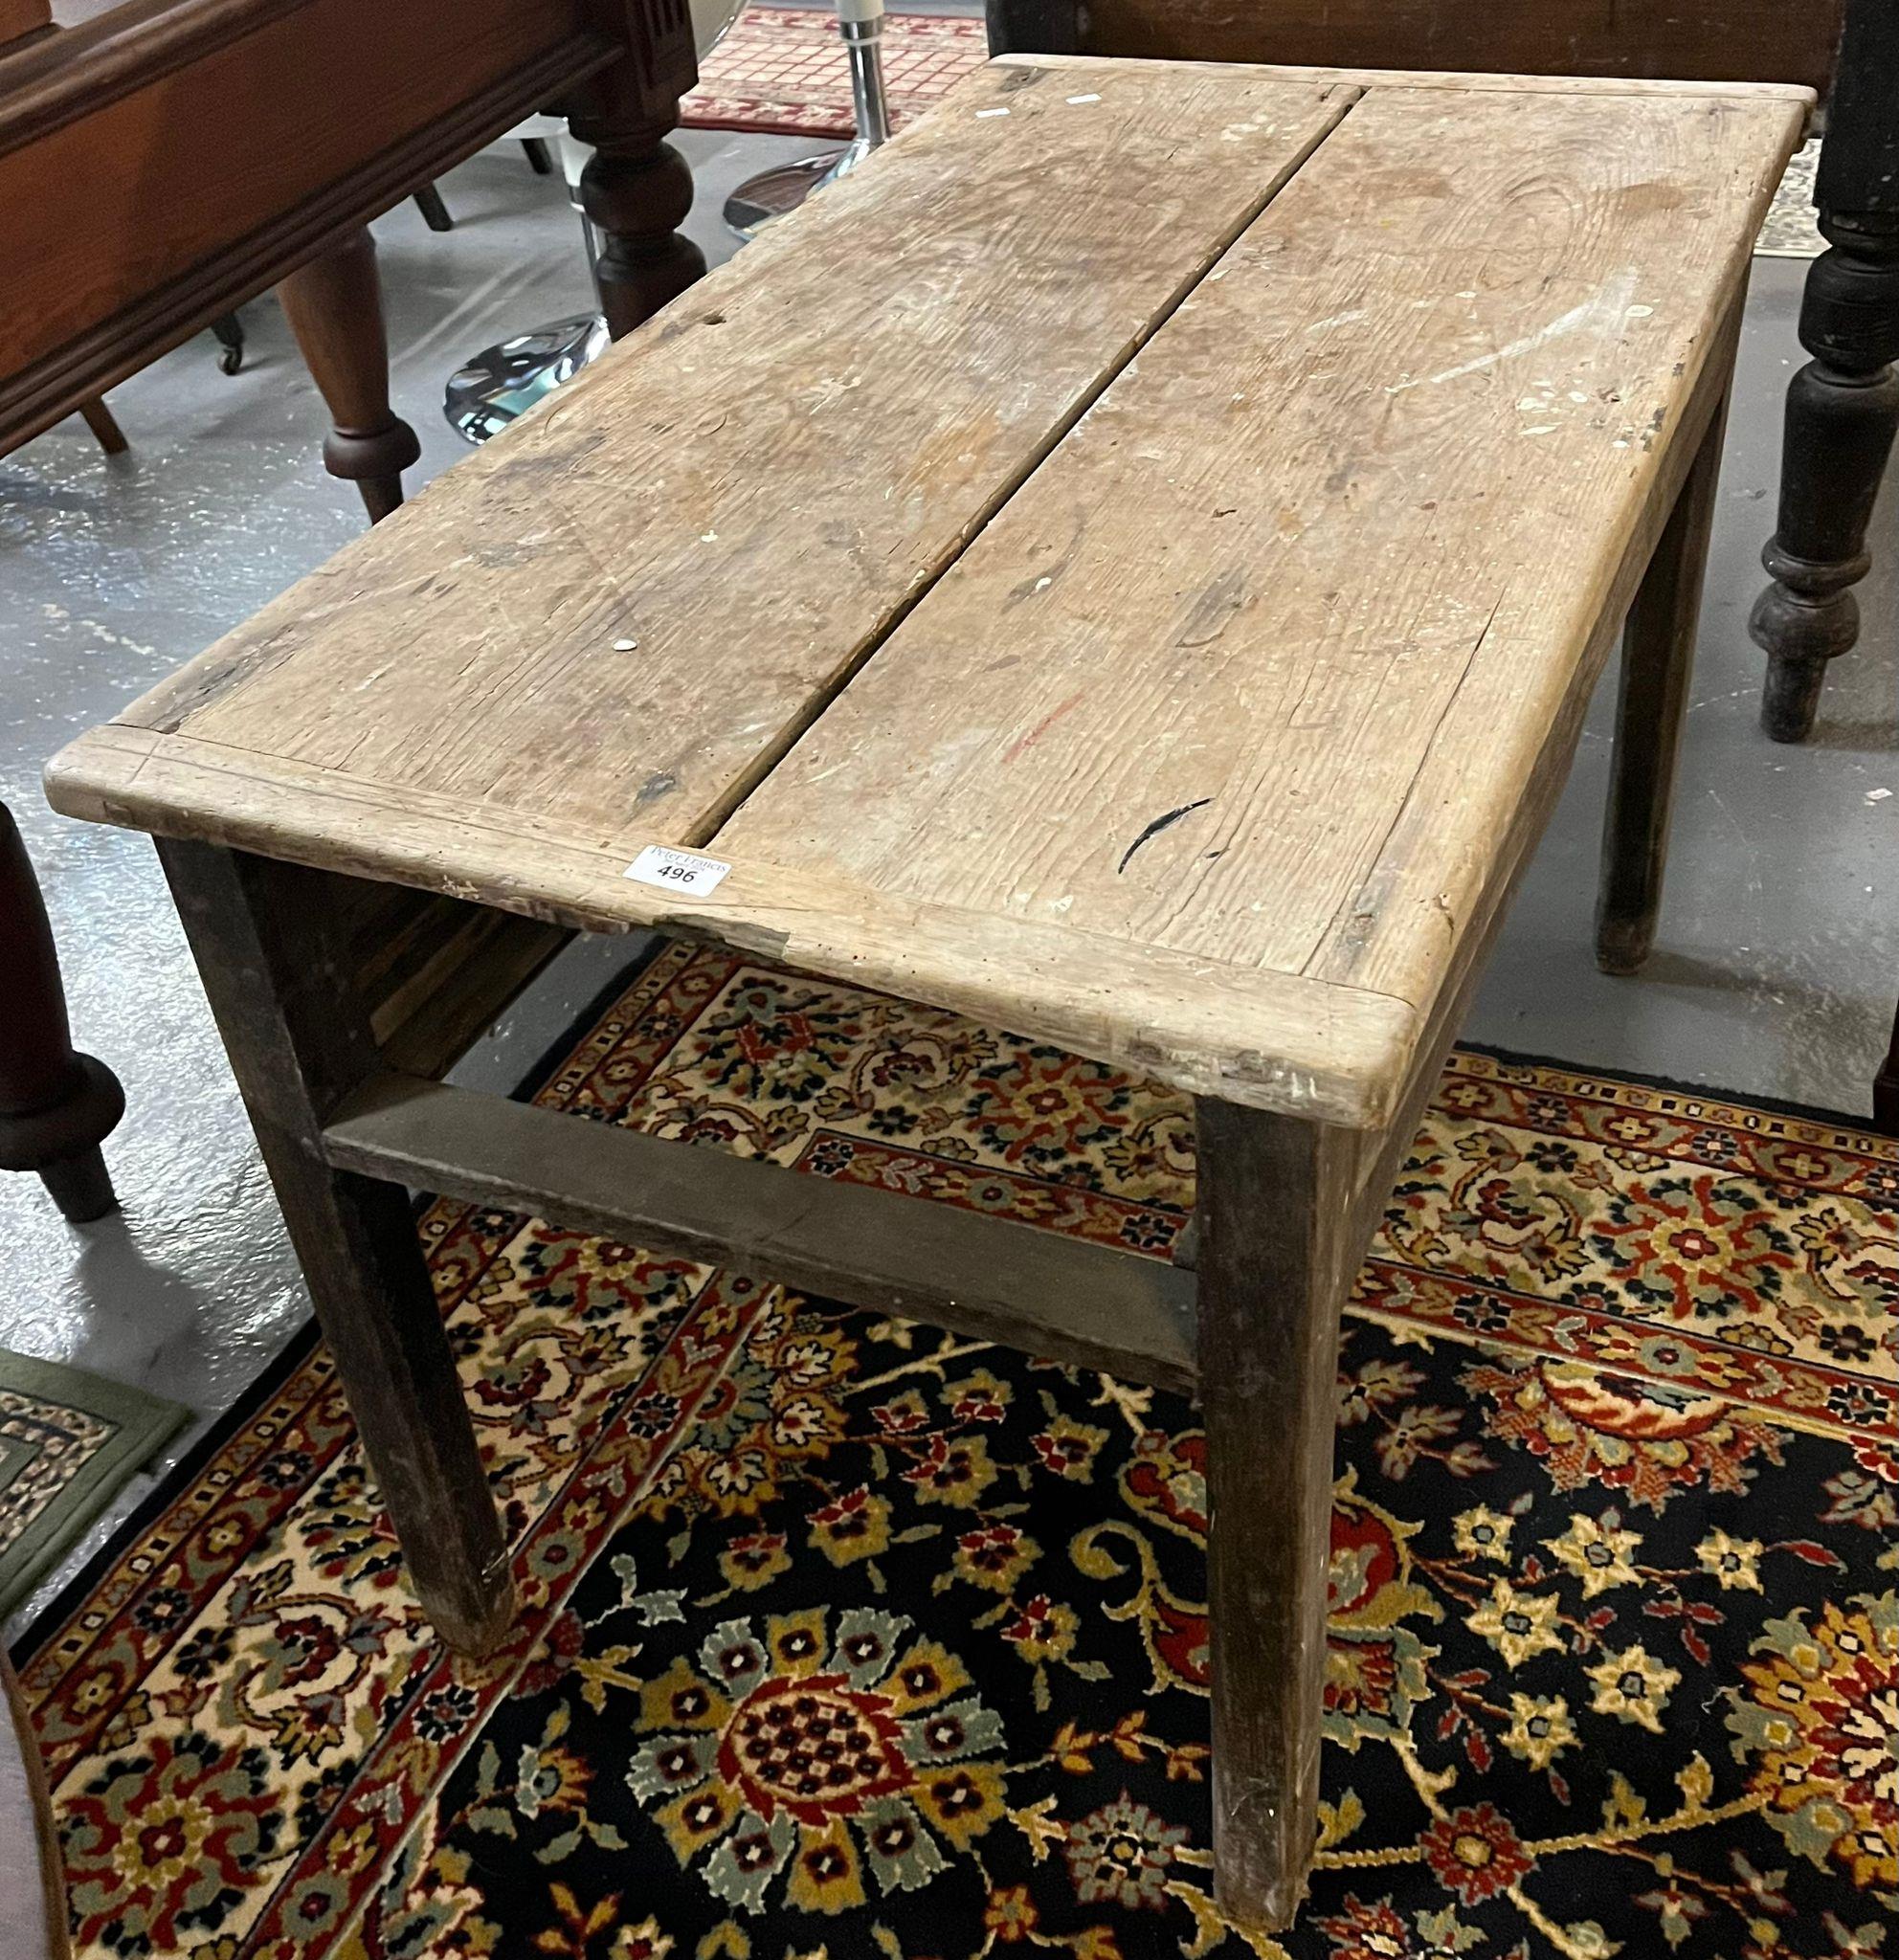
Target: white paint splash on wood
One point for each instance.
(1607, 308)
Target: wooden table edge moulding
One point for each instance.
(1128, 566)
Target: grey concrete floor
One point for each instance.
(1778, 960)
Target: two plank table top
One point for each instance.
(1129, 565)
(1113, 569)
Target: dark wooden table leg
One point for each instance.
(1651, 704)
(1273, 1204)
(1886, 1089)
(32, 1882)
(104, 426)
(273, 963)
(636, 187)
(335, 308)
(55, 1105)
(1843, 408)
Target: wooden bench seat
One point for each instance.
(1129, 564)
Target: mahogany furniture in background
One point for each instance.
(163, 161)
(1199, 714)
(1712, 40)
(56, 1105)
(1843, 408)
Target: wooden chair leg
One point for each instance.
(430, 202)
(1274, 1199)
(273, 962)
(1843, 408)
(32, 1915)
(335, 308)
(1651, 704)
(55, 1105)
(104, 426)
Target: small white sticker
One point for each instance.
(676, 871)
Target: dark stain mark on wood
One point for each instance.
(1159, 824)
(1222, 598)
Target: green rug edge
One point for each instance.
(143, 1424)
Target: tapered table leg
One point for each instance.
(335, 308)
(55, 1105)
(273, 959)
(1651, 704)
(1272, 1210)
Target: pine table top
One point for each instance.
(1128, 564)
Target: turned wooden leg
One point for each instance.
(1658, 666)
(1272, 1212)
(638, 190)
(335, 308)
(33, 1915)
(55, 1105)
(273, 962)
(1843, 408)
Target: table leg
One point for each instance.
(335, 308)
(636, 187)
(1886, 1089)
(272, 956)
(1273, 1213)
(55, 1105)
(1651, 704)
(1843, 408)
(104, 426)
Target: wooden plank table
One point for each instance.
(1129, 565)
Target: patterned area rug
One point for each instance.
(69, 1441)
(847, 1638)
(782, 71)
(1791, 229)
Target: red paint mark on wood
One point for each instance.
(1042, 727)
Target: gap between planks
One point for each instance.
(746, 781)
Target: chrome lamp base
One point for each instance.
(501, 382)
